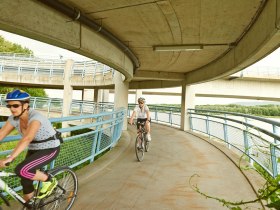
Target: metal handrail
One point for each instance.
(29, 64)
(261, 145)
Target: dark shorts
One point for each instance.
(142, 121)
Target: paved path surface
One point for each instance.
(161, 182)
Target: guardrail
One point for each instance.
(169, 115)
(268, 72)
(21, 65)
(87, 137)
(256, 137)
(54, 105)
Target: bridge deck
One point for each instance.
(161, 181)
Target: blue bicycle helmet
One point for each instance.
(17, 95)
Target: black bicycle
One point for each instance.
(62, 197)
(141, 144)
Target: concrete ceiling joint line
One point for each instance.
(254, 19)
(232, 46)
(77, 15)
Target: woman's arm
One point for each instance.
(23, 143)
(5, 130)
(132, 117)
(148, 115)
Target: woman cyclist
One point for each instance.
(143, 115)
(40, 138)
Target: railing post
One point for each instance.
(95, 140)
(49, 106)
(36, 69)
(34, 103)
(247, 143)
(156, 114)
(190, 119)
(273, 160)
(170, 116)
(275, 131)
(81, 107)
(51, 70)
(1, 67)
(99, 131)
(226, 133)
(207, 126)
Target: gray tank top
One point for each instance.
(46, 131)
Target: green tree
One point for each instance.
(6, 46)
(9, 47)
(35, 92)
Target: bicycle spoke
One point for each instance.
(64, 195)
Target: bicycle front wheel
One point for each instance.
(139, 150)
(65, 193)
(147, 146)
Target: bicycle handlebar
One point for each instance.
(7, 164)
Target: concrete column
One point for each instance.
(105, 95)
(67, 88)
(95, 96)
(121, 94)
(83, 94)
(88, 95)
(100, 95)
(67, 91)
(187, 102)
(138, 94)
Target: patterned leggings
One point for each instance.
(34, 160)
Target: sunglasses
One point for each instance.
(13, 105)
(141, 103)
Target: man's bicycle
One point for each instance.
(62, 197)
(141, 144)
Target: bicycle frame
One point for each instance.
(4, 186)
(142, 128)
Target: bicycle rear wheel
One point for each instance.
(65, 193)
(139, 150)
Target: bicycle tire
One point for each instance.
(139, 150)
(64, 195)
(147, 146)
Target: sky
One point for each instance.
(41, 49)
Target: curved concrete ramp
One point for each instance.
(117, 181)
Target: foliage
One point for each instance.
(6, 46)
(34, 92)
(269, 193)
(270, 110)
(260, 110)
(9, 47)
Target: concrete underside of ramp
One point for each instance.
(161, 181)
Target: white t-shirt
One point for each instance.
(141, 113)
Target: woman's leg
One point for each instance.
(28, 188)
(28, 169)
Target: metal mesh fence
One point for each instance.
(76, 149)
(216, 129)
(199, 125)
(255, 142)
(85, 141)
